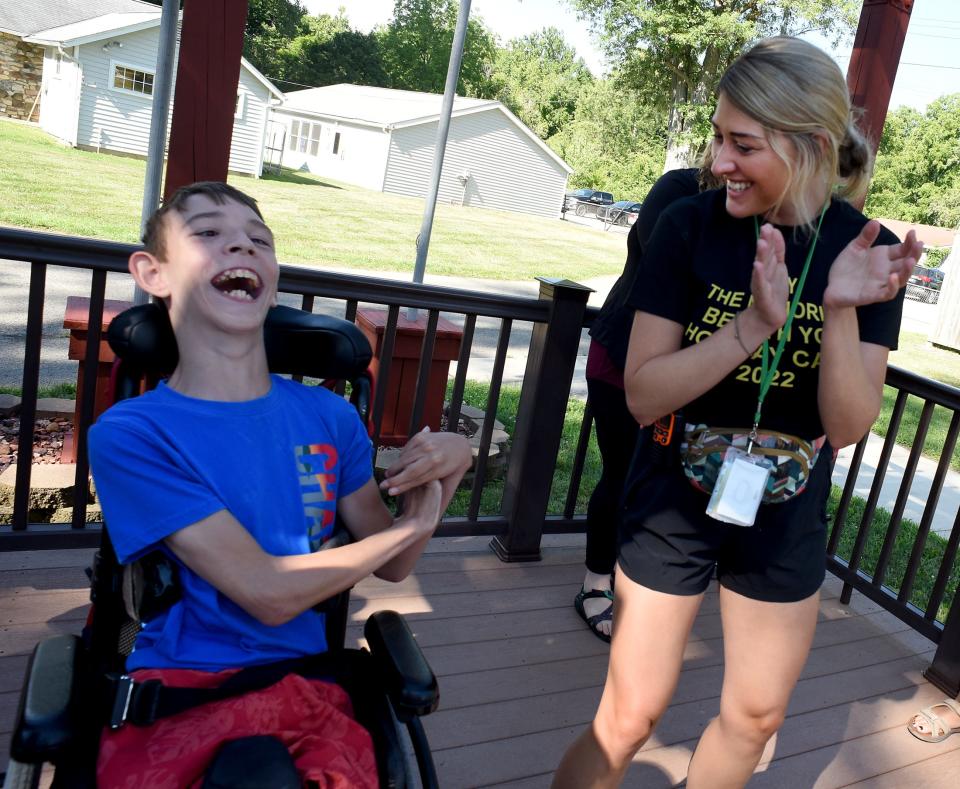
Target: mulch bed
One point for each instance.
(47, 440)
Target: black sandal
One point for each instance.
(593, 621)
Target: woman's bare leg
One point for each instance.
(765, 646)
(650, 630)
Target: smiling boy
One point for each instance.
(236, 474)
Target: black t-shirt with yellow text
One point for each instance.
(696, 272)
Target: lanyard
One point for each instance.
(768, 367)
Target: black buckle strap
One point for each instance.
(136, 702)
(144, 703)
(123, 690)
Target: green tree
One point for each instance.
(326, 51)
(540, 78)
(416, 44)
(271, 25)
(673, 52)
(945, 206)
(614, 142)
(917, 172)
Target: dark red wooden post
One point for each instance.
(204, 102)
(876, 55)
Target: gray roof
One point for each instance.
(380, 106)
(25, 17)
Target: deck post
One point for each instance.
(204, 101)
(540, 416)
(944, 672)
(873, 63)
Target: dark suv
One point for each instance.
(585, 201)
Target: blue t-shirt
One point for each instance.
(278, 464)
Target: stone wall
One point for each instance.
(21, 67)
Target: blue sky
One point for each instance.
(929, 64)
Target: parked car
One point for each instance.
(623, 212)
(585, 201)
(925, 283)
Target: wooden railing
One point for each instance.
(559, 318)
(877, 583)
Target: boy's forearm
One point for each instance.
(297, 583)
(449, 485)
(400, 567)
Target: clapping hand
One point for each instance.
(421, 505)
(865, 274)
(426, 457)
(770, 283)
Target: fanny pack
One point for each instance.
(793, 458)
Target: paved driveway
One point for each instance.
(60, 283)
(63, 282)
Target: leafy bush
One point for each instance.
(936, 256)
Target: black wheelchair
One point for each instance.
(76, 685)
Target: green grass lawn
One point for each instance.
(930, 561)
(475, 394)
(68, 391)
(919, 356)
(48, 186)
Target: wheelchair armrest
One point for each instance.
(46, 723)
(408, 678)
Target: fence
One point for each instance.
(558, 318)
(879, 580)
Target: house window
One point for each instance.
(304, 137)
(238, 106)
(132, 80)
(336, 143)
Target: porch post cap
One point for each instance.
(555, 282)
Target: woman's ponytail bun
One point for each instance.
(854, 163)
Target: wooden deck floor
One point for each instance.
(520, 676)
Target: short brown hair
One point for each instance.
(219, 192)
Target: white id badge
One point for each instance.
(740, 485)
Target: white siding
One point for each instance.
(246, 148)
(120, 120)
(507, 169)
(360, 159)
(114, 119)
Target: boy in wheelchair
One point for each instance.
(237, 475)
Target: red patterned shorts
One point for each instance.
(313, 718)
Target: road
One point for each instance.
(60, 283)
(63, 282)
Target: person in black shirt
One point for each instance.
(711, 292)
(616, 428)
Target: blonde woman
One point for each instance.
(764, 399)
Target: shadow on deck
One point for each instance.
(520, 676)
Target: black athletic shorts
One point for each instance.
(668, 543)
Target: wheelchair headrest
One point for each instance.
(297, 342)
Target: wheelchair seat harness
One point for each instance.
(144, 703)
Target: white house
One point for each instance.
(384, 140)
(97, 88)
(21, 63)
